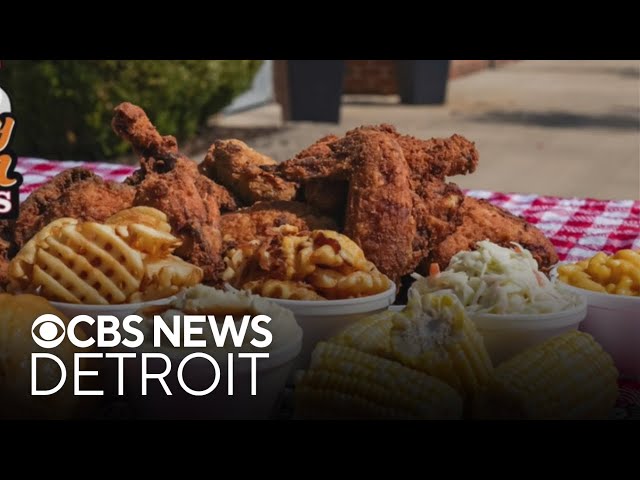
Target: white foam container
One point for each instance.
(119, 311)
(614, 321)
(272, 374)
(506, 335)
(323, 319)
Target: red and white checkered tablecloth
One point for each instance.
(578, 227)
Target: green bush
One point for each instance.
(64, 108)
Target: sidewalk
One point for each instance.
(567, 128)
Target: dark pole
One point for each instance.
(314, 90)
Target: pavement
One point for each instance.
(565, 128)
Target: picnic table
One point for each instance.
(578, 227)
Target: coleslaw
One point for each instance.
(498, 280)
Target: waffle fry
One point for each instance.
(21, 267)
(100, 264)
(141, 216)
(145, 229)
(323, 261)
(283, 289)
(165, 277)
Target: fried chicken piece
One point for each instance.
(76, 193)
(260, 220)
(131, 123)
(436, 157)
(160, 154)
(238, 167)
(483, 221)
(320, 149)
(172, 183)
(5, 247)
(193, 213)
(327, 196)
(427, 159)
(379, 215)
(436, 209)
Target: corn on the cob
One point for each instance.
(441, 340)
(346, 383)
(566, 377)
(371, 334)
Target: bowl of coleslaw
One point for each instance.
(513, 304)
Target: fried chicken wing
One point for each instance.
(427, 159)
(379, 215)
(482, 221)
(262, 218)
(238, 167)
(436, 157)
(328, 173)
(76, 193)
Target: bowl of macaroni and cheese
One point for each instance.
(611, 285)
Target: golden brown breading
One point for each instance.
(131, 123)
(329, 197)
(238, 167)
(427, 159)
(171, 182)
(194, 217)
(160, 154)
(436, 157)
(436, 209)
(434, 213)
(259, 220)
(320, 149)
(5, 247)
(483, 221)
(76, 193)
(379, 215)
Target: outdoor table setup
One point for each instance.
(577, 227)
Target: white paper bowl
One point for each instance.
(271, 376)
(614, 321)
(120, 311)
(506, 335)
(323, 319)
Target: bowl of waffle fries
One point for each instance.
(322, 276)
(611, 285)
(115, 267)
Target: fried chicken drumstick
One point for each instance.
(172, 183)
(160, 154)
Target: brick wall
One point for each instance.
(378, 76)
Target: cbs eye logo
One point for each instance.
(48, 331)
